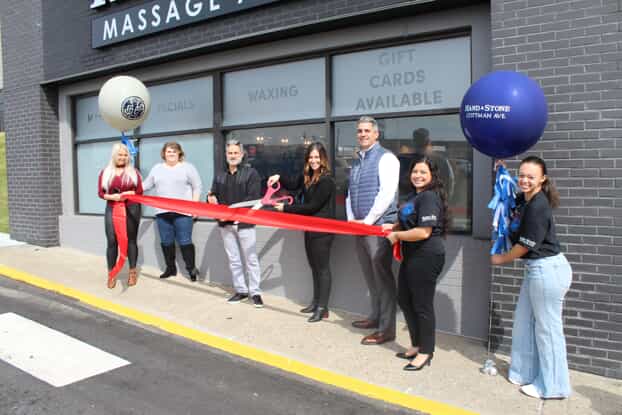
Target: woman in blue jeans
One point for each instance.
(175, 179)
(539, 364)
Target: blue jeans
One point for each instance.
(538, 343)
(174, 226)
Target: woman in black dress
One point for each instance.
(318, 192)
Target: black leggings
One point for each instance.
(415, 295)
(317, 246)
(112, 250)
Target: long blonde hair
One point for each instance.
(129, 172)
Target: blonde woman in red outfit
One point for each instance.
(120, 178)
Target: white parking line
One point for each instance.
(50, 355)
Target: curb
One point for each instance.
(286, 364)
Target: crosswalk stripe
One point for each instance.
(50, 355)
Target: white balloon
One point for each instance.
(124, 102)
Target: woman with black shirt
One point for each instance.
(318, 193)
(539, 361)
(422, 223)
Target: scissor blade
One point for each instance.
(248, 203)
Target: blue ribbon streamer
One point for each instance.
(502, 203)
(129, 144)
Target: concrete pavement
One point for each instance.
(278, 335)
(74, 359)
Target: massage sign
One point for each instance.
(157, 16)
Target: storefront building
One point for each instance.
(278, 75)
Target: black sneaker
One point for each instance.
(257, 301)
(237, 297)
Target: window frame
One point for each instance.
(219, 131)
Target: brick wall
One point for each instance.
(31, 126)
(573, 49)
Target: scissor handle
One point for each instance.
(272, 189)
(289, 199)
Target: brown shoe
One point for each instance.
(365, 324)
(377, 338)
(133, 277)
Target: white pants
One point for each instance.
(242, 241)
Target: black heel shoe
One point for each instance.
(411, 367)
(319, 314)
(403, 355)
(309, 309)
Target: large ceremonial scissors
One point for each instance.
(266, 200)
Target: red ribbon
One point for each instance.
(260, 217)
(119, 222)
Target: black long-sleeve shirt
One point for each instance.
(317, 199)
(243, 185)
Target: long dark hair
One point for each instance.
(436, 185)
(548, 187)
(310, 175)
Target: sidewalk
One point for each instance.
(307, 349)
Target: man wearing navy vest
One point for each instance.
(371, 200)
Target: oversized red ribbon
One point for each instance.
(119, 222)
(259, 217)
(289, 221)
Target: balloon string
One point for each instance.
(129, 144)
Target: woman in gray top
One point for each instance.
(176, 179)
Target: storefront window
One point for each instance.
(92, 158)
(291, 91)
(179, 106)
(279, 150)
(422, 76)
(403, 137)
(89, 124)
(175, 107)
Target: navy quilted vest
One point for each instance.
(365, 183)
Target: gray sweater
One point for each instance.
(178, 182)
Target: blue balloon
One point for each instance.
(503, 114)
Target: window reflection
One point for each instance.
(448, 149)
(278, 150)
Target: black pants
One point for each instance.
(317, 246)
(112, 250)
(415, 296)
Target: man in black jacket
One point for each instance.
(238, 184)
